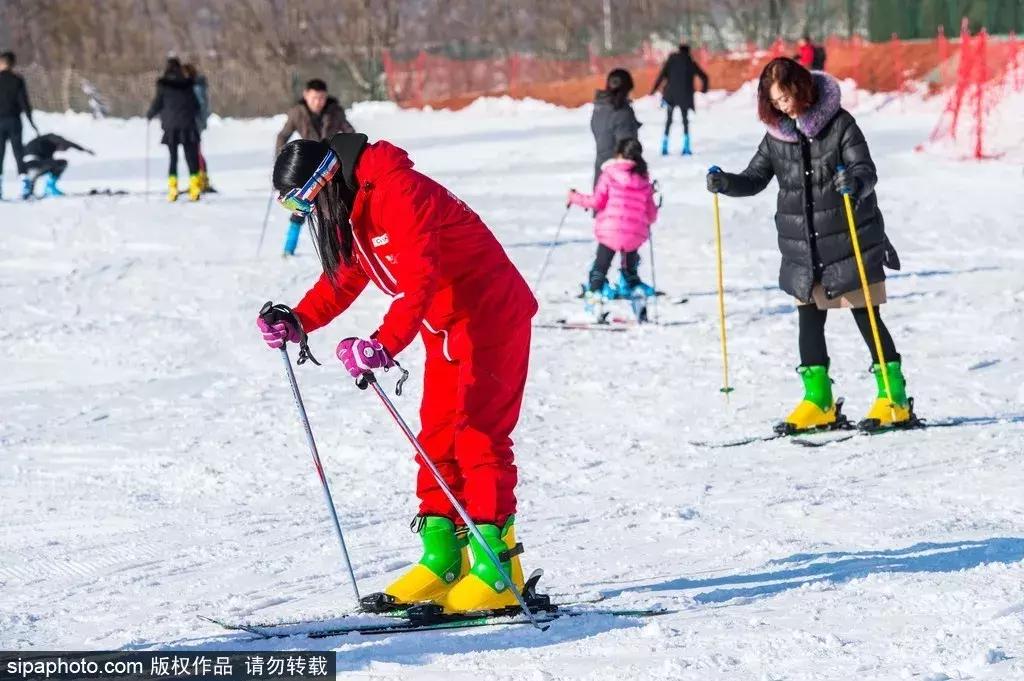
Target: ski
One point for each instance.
(841, 424)
(400, 625)
(920, 424)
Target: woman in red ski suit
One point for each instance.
(376, 219)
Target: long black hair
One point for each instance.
(618, 85)
(329, 222)
(632, 150)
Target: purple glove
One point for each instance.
(360, 355)
(279, 332)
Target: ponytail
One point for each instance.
(632, 150)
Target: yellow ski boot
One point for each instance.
(885, 413)
(172, 188)
(443, 563)
(484, 588)
(195, 187)
(817, 410)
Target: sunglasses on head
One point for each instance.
(300, 199)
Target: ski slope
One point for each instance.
(152, 468)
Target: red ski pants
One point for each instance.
(470, 407)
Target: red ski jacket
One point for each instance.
(426, 249)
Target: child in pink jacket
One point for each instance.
(624, 202)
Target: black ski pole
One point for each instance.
(268, 313)
(551, 248)
(266, 218)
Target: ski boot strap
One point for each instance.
(509, 554)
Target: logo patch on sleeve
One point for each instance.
(381, 240)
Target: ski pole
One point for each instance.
(266, 218)
(551, 248)
(848, 202)
(368, 379)
(319, 467)
(721, 292)
(654, 276)
(147, 159)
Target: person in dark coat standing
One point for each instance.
(39, 160)
(613, 119)
(809, 138)
(677, 74)
(178, 108)
(202, 89)
(317, 116)
(13, 103)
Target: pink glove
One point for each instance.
(279, 332)
(361, 355)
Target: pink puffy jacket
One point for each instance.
(624, 202)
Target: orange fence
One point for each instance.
(440, 82)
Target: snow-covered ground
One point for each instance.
(152, 468)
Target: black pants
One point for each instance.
(191, 157)
(629, 262)
(814, 352)
(10, 131)
(41, 166)
(686, 118)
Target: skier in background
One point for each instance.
(178, 108)
(613, 119)
(202, 90)
(317, 116)
(376, 219)
(809, 55)
(13, 103)
(809, 135)
(677, 74)
(39, 160)
(624, 203)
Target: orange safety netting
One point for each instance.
(986, 72)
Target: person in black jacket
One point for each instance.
(677, 74)
(178, 108)
(816, 151)
(13, 103)
(39, 160)
(613, 119)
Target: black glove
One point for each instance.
(846, 182)
(717, 180)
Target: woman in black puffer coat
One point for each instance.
(178, 108)
(613, 119)
(809, 137)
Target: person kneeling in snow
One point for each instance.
(39, 161)
(818, 153)
(624, 202)
(374, 218)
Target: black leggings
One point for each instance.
(191, 157)
(41, 166)
(630, 264)
(814, 352)
(10, 131)
(686, 118)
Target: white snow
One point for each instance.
(152, 468)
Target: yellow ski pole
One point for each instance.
(867, 294)
(721, 292)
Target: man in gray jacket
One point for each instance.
(317, 116)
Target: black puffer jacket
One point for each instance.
(814, 236)
(610, 125)
(176, 104)
(679, 71)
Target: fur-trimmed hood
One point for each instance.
(812, 121)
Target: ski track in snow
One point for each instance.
(152, 468)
